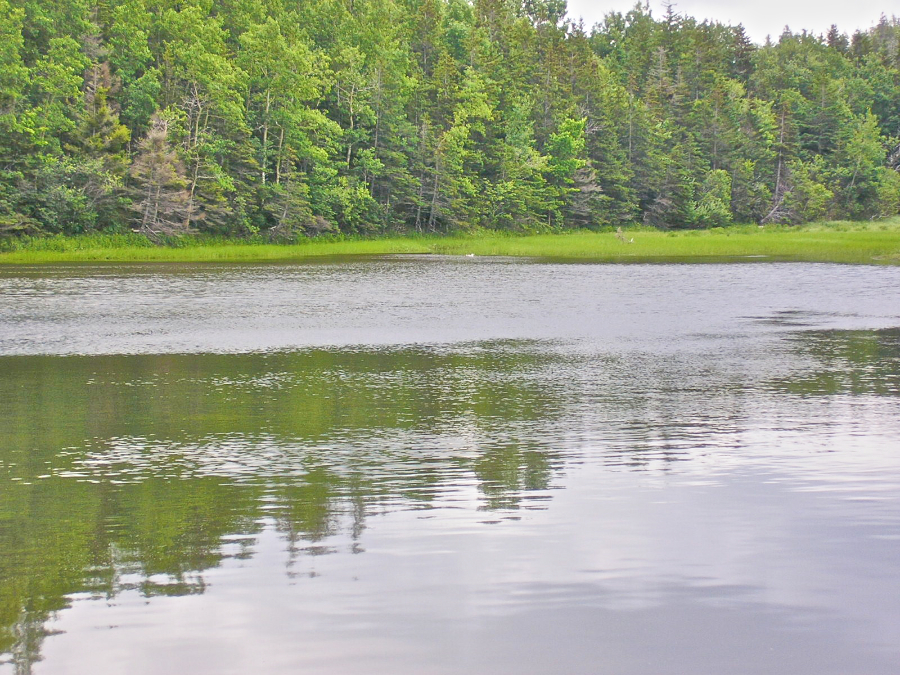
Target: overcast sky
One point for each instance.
(760, 17)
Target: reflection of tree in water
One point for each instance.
(659, 411)
(848, 362)
(655, 411)
(145, 471)
(309, 512)
(27, 634)
(142, 472)
(62, 537)
(157, 537)
(508, 473)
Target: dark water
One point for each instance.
(450, 466)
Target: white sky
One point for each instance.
(760, 17)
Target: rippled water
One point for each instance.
(439, 465)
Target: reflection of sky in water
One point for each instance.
(630, 572)
(663, 482)
(167, 308)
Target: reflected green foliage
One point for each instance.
(507, 474)
(139, 472)
(849, 362)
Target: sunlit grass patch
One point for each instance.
(867, 242)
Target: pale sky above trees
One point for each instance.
(760, 17)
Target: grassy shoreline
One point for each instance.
(843, 242)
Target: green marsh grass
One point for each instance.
(870, 242)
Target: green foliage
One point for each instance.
(431, 115)
(808, 198)
(713, 208)
(856, 242)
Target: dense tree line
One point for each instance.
(287, 117)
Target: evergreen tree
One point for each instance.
(161, 202)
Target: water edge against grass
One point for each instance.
(870, 242)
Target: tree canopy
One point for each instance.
(281, 119)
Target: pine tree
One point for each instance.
(158, 180)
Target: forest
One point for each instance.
(291, 118)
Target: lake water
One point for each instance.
(450, 465)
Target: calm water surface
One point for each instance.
(450, 465)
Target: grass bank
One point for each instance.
(871, 243)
